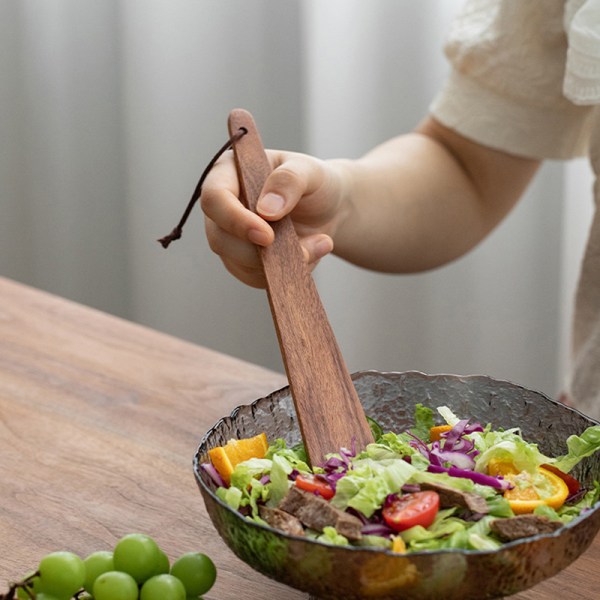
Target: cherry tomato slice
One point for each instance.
(317, 484)
(409, 510)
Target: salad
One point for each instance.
(460, 484)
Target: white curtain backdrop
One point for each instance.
(110, 110)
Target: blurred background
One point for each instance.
(109, 112)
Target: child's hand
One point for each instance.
(305, 187)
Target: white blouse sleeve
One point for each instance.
(582, 72)
(505, 89)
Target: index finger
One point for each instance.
(220, 202)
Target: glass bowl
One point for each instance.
(330, 572)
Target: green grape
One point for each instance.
(61, 574)
(115, 585)
(45, 596)
(163, 587)
(163, 564)
(196, 571)
(96, 564)
(138, 555)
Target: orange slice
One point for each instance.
(220, 461)
(499, 466)
(525, 499)
(225, 458)
(435, 433)
(385, 575)
(398, 545)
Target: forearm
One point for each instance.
(424, 199)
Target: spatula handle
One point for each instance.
(327, 406)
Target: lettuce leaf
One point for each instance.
(280, 484)
(397, 446)
(436, 535)
(479, 535)
(246, 479)
(331, 536)
(578, 447)
(376, 541)
(232, 496)
(498, 506)
(245, 471)
(448, 416)
(458, 483)
(294, 456)
(509, 446)
(423, 422)
(375, 427)
(366, 486)
(568, 512)
(448, 531)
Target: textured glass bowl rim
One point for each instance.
(371, 549)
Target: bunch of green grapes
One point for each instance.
(136, 569)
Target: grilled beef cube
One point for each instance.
(523, 526)
(450, 497)
(281, 520)
(316, 513)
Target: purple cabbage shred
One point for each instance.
(453, 450)
(336, 467)
(213, 474)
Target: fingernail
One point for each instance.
(258, 237)
(270, 205)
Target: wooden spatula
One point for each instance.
(327, 406)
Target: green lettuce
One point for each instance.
(448, 416)
(375, 427)
(246, 479)
(498, 506)
(444, 526)
(448, 531)
(568, 512)
(480, 537)
(507, 446)
(423, 422)
(331, 536)
(374, 541)
(232, 496)
(369, 482)
(578, 447)
(294, 456)
(458, 483)
(280, 483)
(396, 446)
(250, 469)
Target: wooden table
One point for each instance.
(99, 421)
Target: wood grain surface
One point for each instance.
(99, 421)
(329, 412)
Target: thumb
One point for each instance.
(296, 177)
